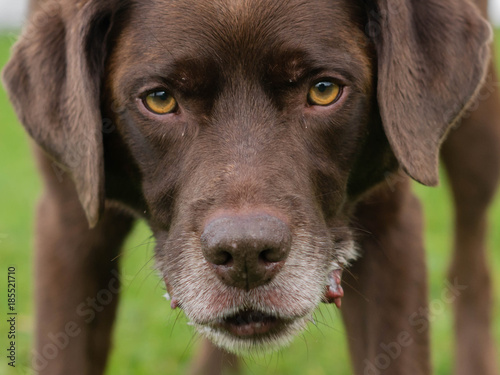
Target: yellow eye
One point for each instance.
(324, 93)
(160, 102)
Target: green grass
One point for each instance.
(154, 340)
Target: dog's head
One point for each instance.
(244, 131)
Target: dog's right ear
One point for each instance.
(432, 57)
(54, 81)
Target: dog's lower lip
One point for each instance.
(250, 323)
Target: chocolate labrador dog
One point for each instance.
(269, 145)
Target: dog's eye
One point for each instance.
(160, 102)
(324, 93)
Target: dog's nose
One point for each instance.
(246, 251)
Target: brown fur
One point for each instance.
(245, 143)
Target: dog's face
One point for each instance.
(244, 132)
(245, 123)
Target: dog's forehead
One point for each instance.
(177, 25)
(164, 32)
(244, 16)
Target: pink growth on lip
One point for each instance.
(334, 291)
(174, 303)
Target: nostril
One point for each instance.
(222, 258)
(270, 256)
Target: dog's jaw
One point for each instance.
(268, 332)
(264, 319)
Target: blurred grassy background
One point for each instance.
(151, 339)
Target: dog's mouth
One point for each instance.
(251, 324)
(247, 331)
(251, 327)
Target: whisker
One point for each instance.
(195, 337)
(175, 322)
(134, 248)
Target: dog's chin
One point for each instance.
(260, 320)
(249, 332)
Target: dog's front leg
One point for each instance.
(76, 281)
(471, 155)
(385, 307)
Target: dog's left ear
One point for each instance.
(432, 57)
(54, 81)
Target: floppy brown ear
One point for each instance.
(432, 57)
(54, 78)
